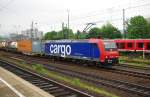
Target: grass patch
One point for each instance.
(39, 68)
(72, 81)
(135, 61)
(91, 88)
(79, 83)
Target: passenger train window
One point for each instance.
(117, 44)
(148, 46)
(130, 45)
(122, 45)
(140, 45)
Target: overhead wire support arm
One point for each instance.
(88, 26)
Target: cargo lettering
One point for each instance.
(63, 50)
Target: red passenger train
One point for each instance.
(135, 45)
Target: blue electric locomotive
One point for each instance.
(94, 50)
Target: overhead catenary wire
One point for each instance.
(2, 7)
(99, 16)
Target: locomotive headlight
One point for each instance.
(111, 50)
(106, 56)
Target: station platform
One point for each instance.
(14, 86)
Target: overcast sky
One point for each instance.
(17, 15)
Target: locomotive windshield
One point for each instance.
(110, 45)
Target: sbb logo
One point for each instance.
(63, 50)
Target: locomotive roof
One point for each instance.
(74, 40)
(67, 40)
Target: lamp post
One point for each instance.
(123, 19)
(68, 11)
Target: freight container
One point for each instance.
(10, 45)
(25, 46)
(30, 47)
(13, 45)
(4, 43)
(37, 47)
(1, 45)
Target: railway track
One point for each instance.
(129, 87)
(125, 86)
(126, 71)
(115, 69)
(48, 85)
(99, 81)
(131, 66)
(120, 70)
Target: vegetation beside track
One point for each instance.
(139, 61)
(70, 80)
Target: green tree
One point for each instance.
(94, 32)
(110, 32)
(50, 35)
(71, 34)
(1, 38)
(148, 28)
(80, 35)
(138, 27)
(61, 35)
(66, 34)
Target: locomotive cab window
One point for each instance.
(130, 45)
(140, 45)
(110, 46)
(148, 45)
